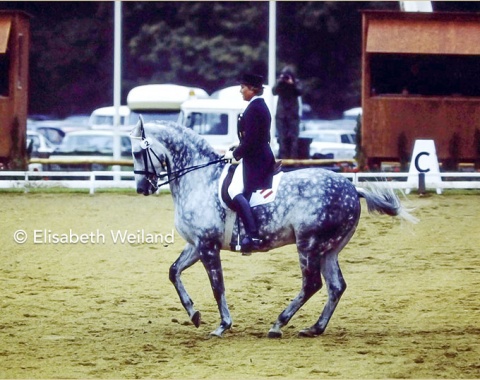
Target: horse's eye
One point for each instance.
(137, 155)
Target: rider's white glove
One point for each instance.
(228, 155)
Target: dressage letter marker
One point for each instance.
(424, 169)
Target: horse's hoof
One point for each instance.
(309, 333)
(196, 319)
(275, 334)
(215, 334)
(218, 333)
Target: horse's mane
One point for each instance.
(175, 135)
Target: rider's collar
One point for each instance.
(255, 97)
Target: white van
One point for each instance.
(213, 119)
(226, 103)
(102, 118)
(161, 101)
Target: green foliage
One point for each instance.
(201, 44)
(71, 61)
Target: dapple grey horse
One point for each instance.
(316, 209)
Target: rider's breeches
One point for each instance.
(237, 187)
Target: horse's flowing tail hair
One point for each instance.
(383, 200)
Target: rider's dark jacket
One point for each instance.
(254, 135)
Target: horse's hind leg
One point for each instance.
(187, 258)
(311, 283)
(335, 285)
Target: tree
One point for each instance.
(70, 56)
(203, 44)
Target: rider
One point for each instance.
(256, 159)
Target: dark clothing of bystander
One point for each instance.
(287, 117)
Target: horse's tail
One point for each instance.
(383, 200)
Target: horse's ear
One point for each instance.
(138, 130)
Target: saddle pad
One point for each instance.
(259, 197)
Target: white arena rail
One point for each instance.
(27, 180)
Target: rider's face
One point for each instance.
(247, 92)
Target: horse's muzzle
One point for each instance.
(144, 187)
(142, 191)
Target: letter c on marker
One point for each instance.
(416, 162)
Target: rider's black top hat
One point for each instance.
(251, 80)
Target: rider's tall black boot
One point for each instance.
(251, 241)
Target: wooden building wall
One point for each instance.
(445, 105)
(14, 57)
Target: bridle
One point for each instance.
(152, 176)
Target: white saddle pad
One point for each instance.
(259, 197)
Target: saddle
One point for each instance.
(268, 195)
(259, 197)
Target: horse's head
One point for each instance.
(149, 160)
(166, 149)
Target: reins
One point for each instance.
(171, 176)
(181, 172)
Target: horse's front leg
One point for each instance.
(187, 258)
(210, 257)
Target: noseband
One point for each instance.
(152, 176)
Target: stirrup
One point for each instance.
(250, 244)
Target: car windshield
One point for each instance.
(211, 123)
(53, 135)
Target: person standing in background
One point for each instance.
(287, 116)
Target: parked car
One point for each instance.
(315, 124)
(53, 134)
(80, 120)
(55, 129)
(38, 145)
(89, 145)
(331, 143)
(352, 113)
